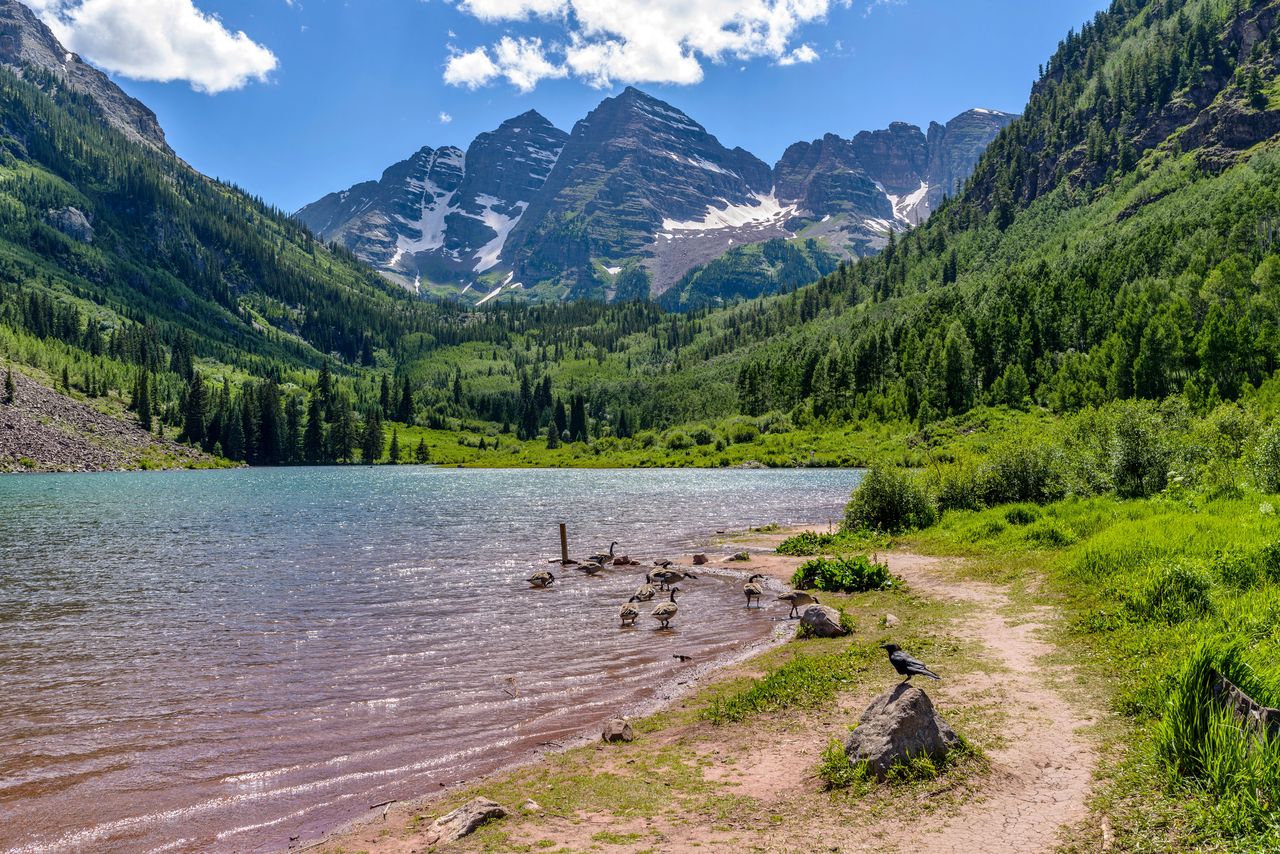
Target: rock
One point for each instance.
(618, 729)
(464, 820)
(741, 556)
(531, 806)
(898, 724)
(72, 222)
(823, 621)
(699, 559)
(890, 621)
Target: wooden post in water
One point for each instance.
(564, 545)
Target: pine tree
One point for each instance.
(142, 401)
(384, 398)
(393, 455)
(578, 420)
(10, 389)
(342, 436)
(405, 413)
(194, 411)
(66, 380)
(371, 439)
(457, 387)
(313, 438)
(324, 386)
(422, 455)
(292, 451)
(553, 437)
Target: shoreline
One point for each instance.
(760, 543)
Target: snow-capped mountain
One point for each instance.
(637, 183)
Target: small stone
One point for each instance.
(618, 729)
(823, 621)
(890, 621)
(699, 559)
(741, 556)
(531, 806)
(464, 820)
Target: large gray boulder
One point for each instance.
(618, 729)
(822, 621)
(464, 820)
(899, 724)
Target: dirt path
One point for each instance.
(754, 786)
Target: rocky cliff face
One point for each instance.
(26, 43)
(443, 215)
(637, 181)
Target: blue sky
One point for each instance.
(319, 94)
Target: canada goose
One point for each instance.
(629, 611)
(541, 580)
(592, 568)
(605, 557)
(753, 590)
(798, 599)
(667, 577)
(648, 591)
(666, 612)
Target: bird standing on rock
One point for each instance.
(906, 665)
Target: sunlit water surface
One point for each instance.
(226, 661)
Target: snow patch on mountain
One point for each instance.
(905, 207)
(501, 223)
(767, 209)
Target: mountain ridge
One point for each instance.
(637, 183)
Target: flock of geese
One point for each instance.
(664, 578)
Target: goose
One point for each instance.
(648, 591)
(666, 612)
(798, 599)
(667, 577)
(541, 580)
(592, 568)
(605, 557)
(753, 590)
(629, 612)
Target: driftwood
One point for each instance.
(1261, 720)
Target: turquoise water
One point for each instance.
(223, 661)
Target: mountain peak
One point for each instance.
(26, 42)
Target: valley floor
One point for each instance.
(690, 781)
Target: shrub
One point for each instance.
(1268, 561)
(1139, 449)
(741, 432)
(679, 441)
(1172, 594)
(775, 422)
(890, 501)
(1266, 459)
(1236, 570)
(1022, 472)
(702, 435)
(842, 575)
(806, 544)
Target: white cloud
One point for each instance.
(161, 40)
(445, 118)
(804, 53)
(634, 41)
(522, 61)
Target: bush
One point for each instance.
(1173, 594)
(741, 432)
(1266, 459)
(1140, 452)
(1237, 570)
(1051, 534)
(679, 441)
(775, 422)
(806, 544)
(890, 501)
(842, 575)
(702, 435)
(1022, 472)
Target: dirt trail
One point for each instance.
(1034, 792)
(1041, 775)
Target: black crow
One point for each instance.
(906, 665)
